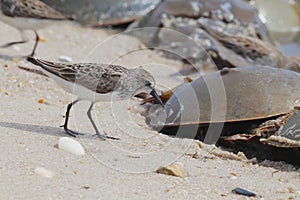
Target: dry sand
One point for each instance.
(123, 169)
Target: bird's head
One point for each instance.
(140, 80)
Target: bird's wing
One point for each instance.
(30, 9)
(101, 78)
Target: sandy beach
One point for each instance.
(112, 169)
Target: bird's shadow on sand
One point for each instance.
(12, 57)
(48, 130)
(34, 128)
(6, 57)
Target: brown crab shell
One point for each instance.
(103, 12)
(198, 9)
(234, 100)
(276, 139)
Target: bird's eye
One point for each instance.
(148, 84)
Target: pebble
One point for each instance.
(244, 192)
(44, 172)
(71, 146)
(291, 190)
(173, 170)
(64, 58)
(232, 177)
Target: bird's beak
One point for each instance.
(157, 98)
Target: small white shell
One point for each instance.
(44, 172)
(70, 145)
(64, 58)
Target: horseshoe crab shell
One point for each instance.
(228, 101)
(103, 12)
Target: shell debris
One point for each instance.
(172, 170)
(43, 101)
(41, 39)
(44, 172)
(64, 58)
(72, 146)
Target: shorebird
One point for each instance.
(97, 82)
(28, 15)
(244, 50)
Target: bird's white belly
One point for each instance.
(83, 93)
(87, 94)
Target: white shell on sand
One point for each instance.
(44, 172)
(70, 145)
(64, 58)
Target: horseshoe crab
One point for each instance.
(103, 12)
(225, 107)
(227, 102)
(178, 16)
(232, 15)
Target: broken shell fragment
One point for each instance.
(44, 172)
(71, 146)
(172, 170)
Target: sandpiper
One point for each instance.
(243, 51)
(27, 15)
(97, 82)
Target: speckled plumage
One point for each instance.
(97, 82)
(28, 15)
(250, 50)
(100, 78)
(29, 9)
(253, 50)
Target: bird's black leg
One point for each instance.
(68, 131)
(12, 43)
(37, 38)
(24, 40)
(101, 136)
(89, 114)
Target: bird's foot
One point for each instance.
(12, 43)
(104, 137)
(71, 133)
